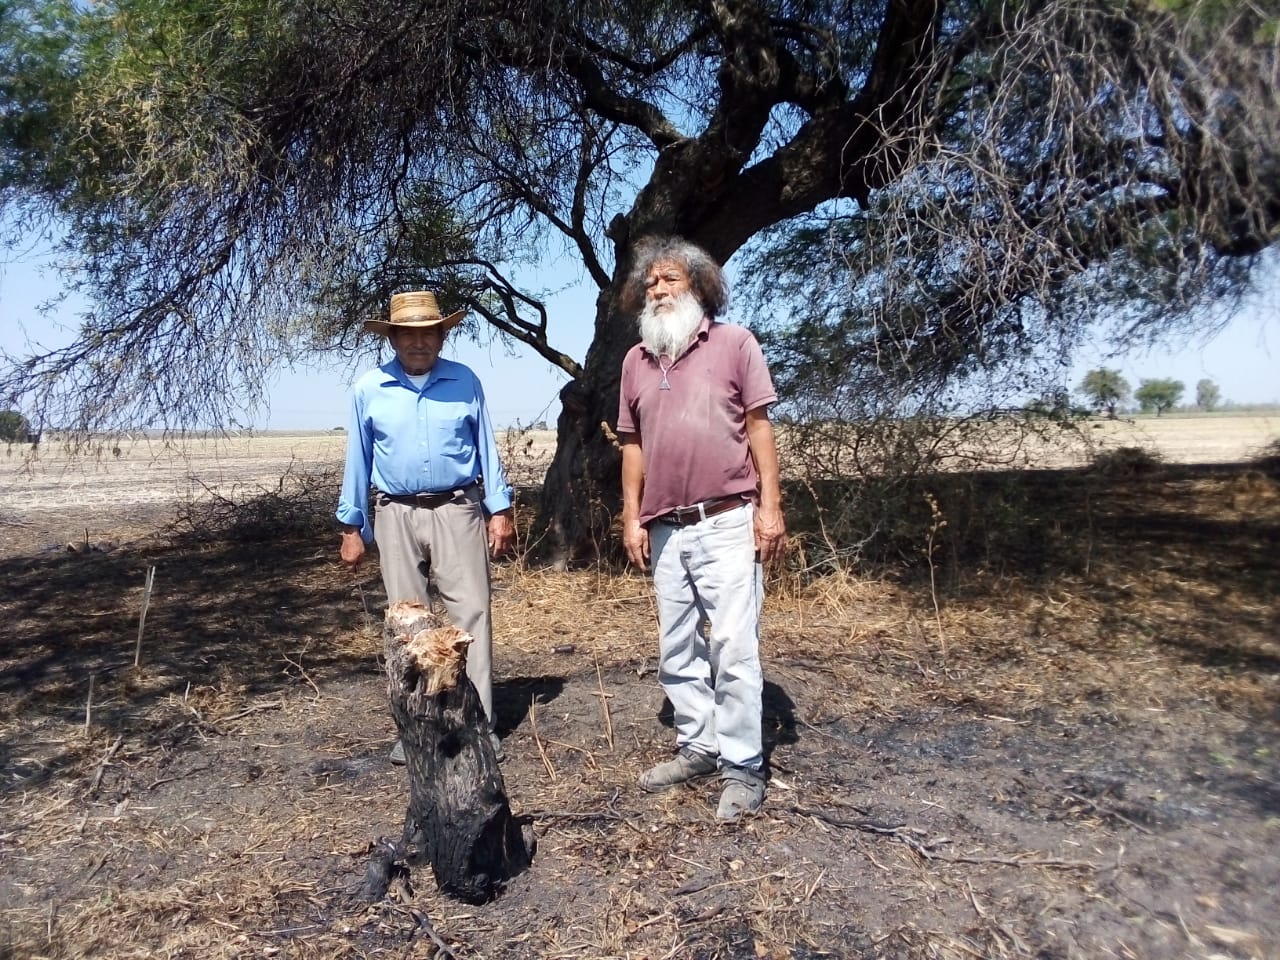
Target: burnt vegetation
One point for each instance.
(1045, 726)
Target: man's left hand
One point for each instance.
(502, 533)
(771, 534)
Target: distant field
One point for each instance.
(126, 473)
(120, 475)
(1177, 439)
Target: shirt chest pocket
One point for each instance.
(448, 430)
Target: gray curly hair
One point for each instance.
(706, 278)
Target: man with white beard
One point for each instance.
(701, 503)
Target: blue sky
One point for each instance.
(1244, 360)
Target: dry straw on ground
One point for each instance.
(1076, 757)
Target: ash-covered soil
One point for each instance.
(1084, 763)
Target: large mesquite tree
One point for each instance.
(239, 180)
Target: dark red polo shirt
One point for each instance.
(694, 432)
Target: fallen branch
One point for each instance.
(256, 708)
(903, 834)
(102, 765)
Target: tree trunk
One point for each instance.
(459, 819)
(582, 492)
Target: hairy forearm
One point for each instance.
(764, 451)
(632, 477)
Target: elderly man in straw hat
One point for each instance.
(420, 433)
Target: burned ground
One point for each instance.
(1072, 755)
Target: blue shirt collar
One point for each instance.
(442, 369)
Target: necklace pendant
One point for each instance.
(664, 385)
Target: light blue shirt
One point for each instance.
(405, 440)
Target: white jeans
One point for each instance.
(708, 571)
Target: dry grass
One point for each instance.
(1076, 760)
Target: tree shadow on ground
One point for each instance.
(73, 622)
(1211, 532)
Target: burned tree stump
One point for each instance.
(459, 819)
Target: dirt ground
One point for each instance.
(1078, 758)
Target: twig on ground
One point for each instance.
(181, 776)
(574, 815)
(256, 708)
(604, 704)
(94, 867)
(425, 923)
(533, 728)
(102, 765)
(1108, 812)
(591, 757)
(298, 664)
(902, 834)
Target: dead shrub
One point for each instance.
(1253, 492)
(872, 494)
(1268, 458)
(301, 504)
(1126, 462)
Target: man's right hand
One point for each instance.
(635, 539)
(352, 549)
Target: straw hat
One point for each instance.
(416, 308)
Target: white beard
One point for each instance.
(671, 330)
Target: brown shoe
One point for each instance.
(687, 765)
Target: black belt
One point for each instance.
(431, 500)
(683, 516)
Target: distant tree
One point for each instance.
(13, 426)
(1054, 404)
(1208, 396)
(1105, 389)
(1158, 395)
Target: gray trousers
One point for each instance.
(452, 541)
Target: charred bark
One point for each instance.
(459, 819)
(582, 492)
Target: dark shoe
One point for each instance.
(687, 765)
(397, 754)
(743, 793)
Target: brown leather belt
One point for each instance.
(430, 500)
(684, 516)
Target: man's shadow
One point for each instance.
(778, 721)
(513, 695)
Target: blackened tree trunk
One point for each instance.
(582, 491)
(459, 819)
